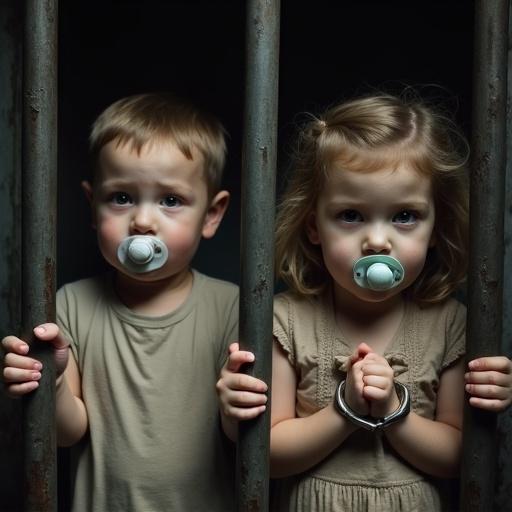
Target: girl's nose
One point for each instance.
(143, 221)
(376, 240)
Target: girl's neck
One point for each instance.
(154, 298)
(374, 323)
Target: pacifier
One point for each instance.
(378, 272)
(142, 253)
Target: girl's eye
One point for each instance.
(170, 201)
(350, 216)
(405, 217)
(121, 198)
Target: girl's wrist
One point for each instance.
(369, 422)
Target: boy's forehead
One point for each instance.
(122, 156)
(120, 159)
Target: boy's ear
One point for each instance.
(87, 188)
(215, 213)
(311, 229)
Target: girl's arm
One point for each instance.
(297, 444)
(434, 447)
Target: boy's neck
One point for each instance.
(154, 298)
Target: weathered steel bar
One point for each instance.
(257, 238)
(10, 238)
(39, 186)
(484, 326)
(504, 474)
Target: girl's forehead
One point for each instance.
(397, 180)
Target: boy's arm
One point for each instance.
(489, 382)
(71, 415)
(241, 396)
(21, 375)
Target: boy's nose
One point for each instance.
(376, 240)
(143, 221)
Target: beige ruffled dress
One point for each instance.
(364, 473)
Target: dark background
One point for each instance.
(329, 51)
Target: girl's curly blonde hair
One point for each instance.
(364, 135)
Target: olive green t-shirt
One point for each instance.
(154, 443)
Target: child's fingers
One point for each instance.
(372, 357)
(488, 391)
(497, 363)
(17, 375)
(240, 382)
(234, 347)
(363, 349)
(50, 332)
(491, 405)
(375, 393)
(243, 414)
(377, 368)
(22, 362)
(237, 359)
(14, 344)
(18, 390)
(245, 399)
(488, 377)
(377, 381)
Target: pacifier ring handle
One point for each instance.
(142, 253)
(378, 272)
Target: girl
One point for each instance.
(367, 391)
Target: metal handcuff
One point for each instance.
(369, 422)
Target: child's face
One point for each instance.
(156, 192)
(359, 214)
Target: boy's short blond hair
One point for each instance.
(142, 118)
(368, 134)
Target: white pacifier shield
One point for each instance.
(378, 272)
(142, 253)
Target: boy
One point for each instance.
(148, 339)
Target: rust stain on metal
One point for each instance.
(474, 495)
(37, 486)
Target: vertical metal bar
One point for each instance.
(10, 238)
(504, 476)
(39, 186)
(257, 238)
(484, 327)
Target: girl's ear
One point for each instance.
(432, 241)
(311, 229)
(215, 213)
(87, 188)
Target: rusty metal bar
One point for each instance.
(257, 238)
(10, 238)
(39, 188)
(504, 474)
(484, 326)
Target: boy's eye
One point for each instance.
(350, 216)
(405, 217)
(170, 201)
(121, 198)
